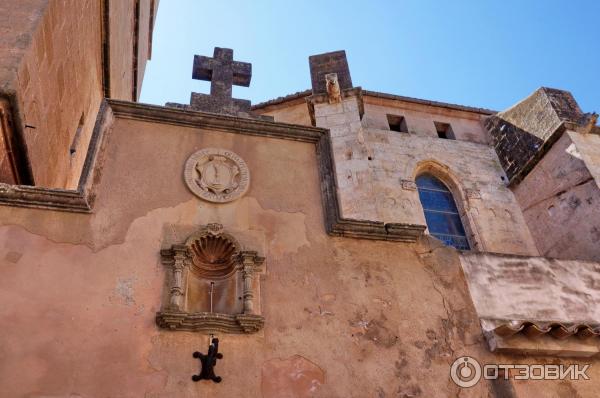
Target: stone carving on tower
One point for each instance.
(333, 88)
(212, 285)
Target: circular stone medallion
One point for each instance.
(217, 175)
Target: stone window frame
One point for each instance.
(441, 213)
(460, 194)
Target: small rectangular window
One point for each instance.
(444, 130)
(397, 123)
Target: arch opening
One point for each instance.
(441, 213)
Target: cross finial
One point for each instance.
(222, 72)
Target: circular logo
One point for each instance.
(465, 372)
(217, 175)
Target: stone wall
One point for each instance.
(18, 22)
(322, 64)
(146, 13)
(53, 72)
(420, 119)
(376, 169)
(59, 91)
(122, 25)
(130, 23)
(523, 133)
(560, 198)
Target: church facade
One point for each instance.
(336, 242)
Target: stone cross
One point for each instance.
(222, 71)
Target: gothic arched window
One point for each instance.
(441, 214)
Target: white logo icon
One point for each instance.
(465, 372)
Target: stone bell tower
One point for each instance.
(58, 61)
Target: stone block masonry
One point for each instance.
(523, 133)
(323, 64)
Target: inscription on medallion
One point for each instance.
(217, 175)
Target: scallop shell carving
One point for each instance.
(214, 256)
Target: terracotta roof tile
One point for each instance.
(533, 329)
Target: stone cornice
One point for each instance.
(78, 200)
(82, 199)
(44, 198)
(436, 104)
(231, 124)
(288, 100)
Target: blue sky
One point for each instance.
(481, 53)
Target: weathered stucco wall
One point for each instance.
(344, 317)
(347, 317)
(553, 290)
(561, 199)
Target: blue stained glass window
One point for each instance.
(441, 213)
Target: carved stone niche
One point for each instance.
(211, 260)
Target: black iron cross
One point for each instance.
(208, 362)
(222, 71)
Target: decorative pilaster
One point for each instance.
(250, 262)
(181, 258)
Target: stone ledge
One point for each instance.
(525, 303)
(376, 230)
(78, 200)
(544, 346)
(210, 322)
(44, 198)
(192, 118)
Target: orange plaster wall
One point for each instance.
(352, 317)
